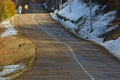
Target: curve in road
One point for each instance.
(62, 55)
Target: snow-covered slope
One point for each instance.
(75, 16)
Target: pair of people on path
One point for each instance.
(19, 10)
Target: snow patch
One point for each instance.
(10, 30)
(113, 46)
(10, 69)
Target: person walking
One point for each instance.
(26, 8)
(20, 9)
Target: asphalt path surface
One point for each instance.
(60, 55)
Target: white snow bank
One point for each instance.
(113, 46)
(99, 27)
(9, 69)
(9, 29)
(82, 10)
(77, 10)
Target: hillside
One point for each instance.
(77, 16)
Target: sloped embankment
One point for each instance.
(17, 53)
(97, 22)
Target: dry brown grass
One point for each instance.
(15, 49)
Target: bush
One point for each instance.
(7, 9)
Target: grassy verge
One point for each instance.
(14, 50)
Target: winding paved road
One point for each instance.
(60, 55)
